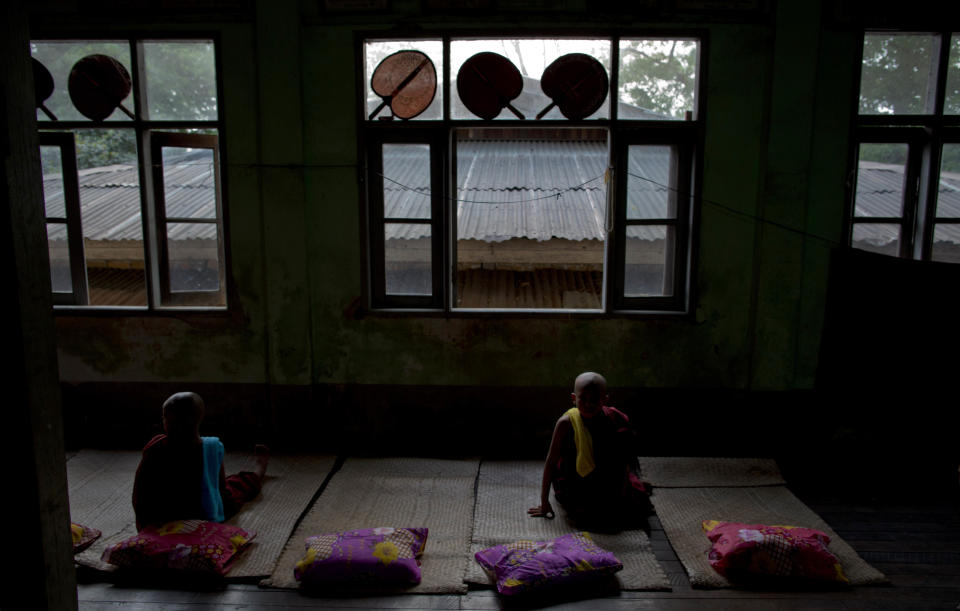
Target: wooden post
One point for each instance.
(38, 571)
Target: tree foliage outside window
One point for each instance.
(659, 75)
(898, 75)
(181, 80)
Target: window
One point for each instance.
(907, 197)
(537, 174)
(129, 142)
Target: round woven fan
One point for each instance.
(577, 83)
(98, 84)
(406, 81)
(487, 82)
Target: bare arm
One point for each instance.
(560, 432)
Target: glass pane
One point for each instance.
(181, 80)
(946, 243)
(530, 57)
(53, 198)
(651, 182)
(60, 277)
(533, 211)
(880, 176)
(899, 74)
(60, 57)
(406, 181)
(193, 257)
(110, 214)
(408, 262)
(883, 238)
(948, 190)
(952, 102)
(189, 183)
(648, 261)
(377, 51)
(658, 78)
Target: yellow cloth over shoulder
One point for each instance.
(584, 442)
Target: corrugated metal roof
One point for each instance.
(534, 189)
(506, 189)
(110, 199)
(879, 194)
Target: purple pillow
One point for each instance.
(526, 566)
(388, 556)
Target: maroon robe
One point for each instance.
(169, 483)
(612, 494)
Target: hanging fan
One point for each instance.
(487, 82)
(577, 83)
(406, 81)
(98, 84)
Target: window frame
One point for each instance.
(159, 141)
(924, 135)
(71, 200)
(686, 133)
(685, 142)
(159, 298)
(377, 219)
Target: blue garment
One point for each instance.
(210, 493)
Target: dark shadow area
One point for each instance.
(154, 579)
(561, 594)
(885, 380)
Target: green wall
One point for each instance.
(778, 97)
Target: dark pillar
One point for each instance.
(38, 568)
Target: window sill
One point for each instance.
(98, 311)
(465, 313)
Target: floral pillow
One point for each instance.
(749, 551)
(386, 556)
(83, 536)
(526, 566)
(186, 545)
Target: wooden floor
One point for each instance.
(916, 544)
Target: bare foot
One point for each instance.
(261, 456)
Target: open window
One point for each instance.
(129, 132)
(61, 200)
(190, 232)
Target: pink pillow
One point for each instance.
(388, 556)
(526, 566)
(186, 545)
(745, 551)
(83, 536)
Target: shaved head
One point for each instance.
(182, 414)
(590, 383)
(589, 393)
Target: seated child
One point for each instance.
(592, 463)
(181, 474)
